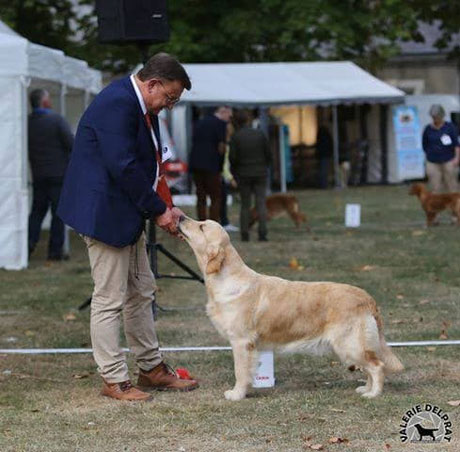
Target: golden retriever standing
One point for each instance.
(256, 312)
(433, 203)
(279, 204)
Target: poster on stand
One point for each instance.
(408, 143)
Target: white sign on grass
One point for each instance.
(353, 215)
(264, 376)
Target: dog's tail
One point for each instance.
(376, 342)
(390, 360)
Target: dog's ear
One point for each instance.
(216, 256)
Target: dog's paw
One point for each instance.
(370, 394)
(234, 395)
(362, 389)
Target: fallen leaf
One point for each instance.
(398, 322)
(443, 334)
(367, 268)
(336, 410)
(400, 296)
(293, 263)
(454, 402)
(423, 301)
(431, 349)
(418, 233)
(70, 317)
(307, 440)
(338, 440)
(387, 446)
(317, 447)
(80, 376)
(29, 333)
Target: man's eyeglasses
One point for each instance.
(169, 99)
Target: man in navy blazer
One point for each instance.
(110, 189)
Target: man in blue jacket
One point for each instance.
(110, 189)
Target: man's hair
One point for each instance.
(241, 118)
(36, 97)
(166, 67)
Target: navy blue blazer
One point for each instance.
(107, 191)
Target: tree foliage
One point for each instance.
(365, 31)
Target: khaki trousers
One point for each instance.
(123, 283)
(442, 176)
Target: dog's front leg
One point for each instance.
(243, 358)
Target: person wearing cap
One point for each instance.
(442, 150)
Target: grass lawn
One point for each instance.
(51, 402)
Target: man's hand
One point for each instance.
(167, 221)
(177, 214)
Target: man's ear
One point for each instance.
(216, 256)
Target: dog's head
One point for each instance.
(417, 189)
(208, 240)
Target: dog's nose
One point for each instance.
(181, 218)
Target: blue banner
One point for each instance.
(408, 142)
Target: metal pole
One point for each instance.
(335, 136)
(66, 245)
(42, 351)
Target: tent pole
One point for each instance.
(86, 99)
(335, 133)
(66, 245)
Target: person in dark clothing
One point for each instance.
(250, 158)
(50, 144)
(442, 149)
(207, 159)
(324, 153)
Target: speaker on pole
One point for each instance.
(132, 21)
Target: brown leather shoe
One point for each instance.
(124, 391)
(163, 378)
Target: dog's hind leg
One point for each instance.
(244, 353)
(374, 369)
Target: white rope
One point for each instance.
(42, 351)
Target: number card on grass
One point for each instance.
(353, 215)
(264, 376)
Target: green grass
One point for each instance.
(413, 273)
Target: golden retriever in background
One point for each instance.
(280, 204)
(256, 312)
(433, 203)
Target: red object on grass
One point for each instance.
(183, 373)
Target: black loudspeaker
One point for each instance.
(125, 21)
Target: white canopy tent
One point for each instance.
(269, 84)
(265, 85)
(23, 66)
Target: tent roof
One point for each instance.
(268, 84)
(19, 57)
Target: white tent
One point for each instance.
(269, 84)
(24, 65)
(329, 83)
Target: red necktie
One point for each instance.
(162, 187)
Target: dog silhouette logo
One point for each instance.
(426, 423)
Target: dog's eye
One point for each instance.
(201, 227)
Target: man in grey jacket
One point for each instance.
(50, 144)
(250, 158)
